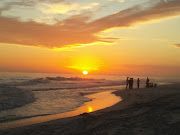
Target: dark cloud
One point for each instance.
(138, 14)
(177, 45)
(76, 29)
(9, 5)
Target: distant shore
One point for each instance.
(145, 111)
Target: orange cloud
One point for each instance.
(68, 32)
(76, 30)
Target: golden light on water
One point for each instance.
(85, 72)
(90, 109)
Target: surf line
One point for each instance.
(99, 101)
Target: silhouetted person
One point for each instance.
(132, 83)
(147, 82)
(138, 82)
(127, 82)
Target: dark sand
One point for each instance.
(152, 111)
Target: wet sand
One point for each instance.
(99, 101)
(152, 111)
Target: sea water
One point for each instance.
(26, 95)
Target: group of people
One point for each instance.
(130, 81)
(150, 85)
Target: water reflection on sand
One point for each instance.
(100, 101)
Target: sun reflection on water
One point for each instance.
(90, 109)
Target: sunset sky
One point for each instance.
(116, 37)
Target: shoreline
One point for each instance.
(93, 105)
(142, 111)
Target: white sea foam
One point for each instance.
(53, 94)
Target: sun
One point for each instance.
(85, 72)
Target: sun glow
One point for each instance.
(85, 72)
(85, 64)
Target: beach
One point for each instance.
(89, 67)
(145, 111)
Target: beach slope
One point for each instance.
(152, 111)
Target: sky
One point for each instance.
(113, 37)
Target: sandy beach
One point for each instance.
(145, 111)
(65, 66)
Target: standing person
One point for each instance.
(138, 82)
(127, 82)
(132, 83)
(147, 83)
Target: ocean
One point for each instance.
(27, 95)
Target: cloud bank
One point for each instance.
(76, 30)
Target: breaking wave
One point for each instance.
(29, 97)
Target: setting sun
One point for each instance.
(85, 72)
(85, 64)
